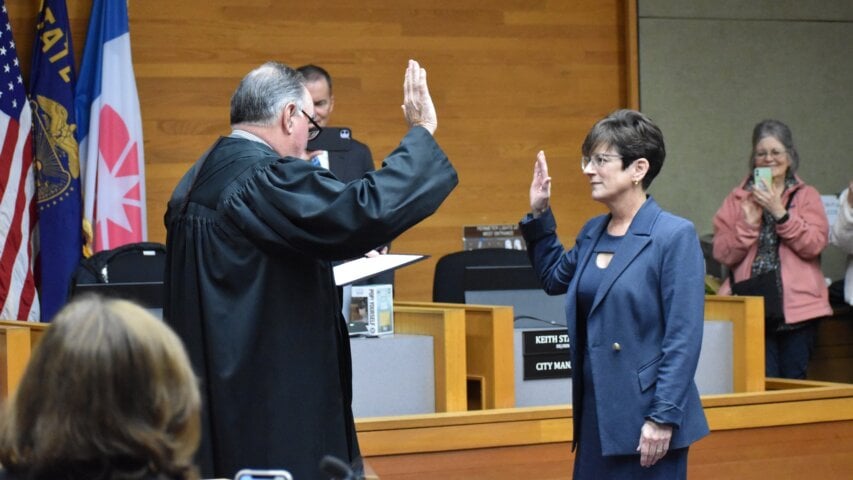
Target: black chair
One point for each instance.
(134, 262)
(449, 280)
(133, 272)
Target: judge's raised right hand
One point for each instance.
(417, 103)
(540, 187)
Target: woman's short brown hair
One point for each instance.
(633, 135)
(108, 393)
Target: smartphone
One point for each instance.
(762, 174)
(249, 474)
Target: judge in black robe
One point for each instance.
(251, 232)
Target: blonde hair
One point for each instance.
(108, 393)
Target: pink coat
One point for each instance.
(802, 238)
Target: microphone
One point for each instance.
(336, 468)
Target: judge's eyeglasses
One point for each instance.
(314, 129)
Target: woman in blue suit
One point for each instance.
(635, 305)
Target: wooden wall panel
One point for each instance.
(819, 450)
(509, 77)
(832, 360)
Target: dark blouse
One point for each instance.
(590, 280)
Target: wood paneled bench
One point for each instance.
(17, 340)
(488, 351)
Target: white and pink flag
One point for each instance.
(110, 131)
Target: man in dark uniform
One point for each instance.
(252, 229)
(348, 158)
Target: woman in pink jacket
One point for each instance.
(779, 227)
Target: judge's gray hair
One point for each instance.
(263, 93)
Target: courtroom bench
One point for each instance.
(832, 359)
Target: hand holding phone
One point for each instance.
(762, 178)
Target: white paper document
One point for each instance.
(364, 267)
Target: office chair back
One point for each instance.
(449, 278)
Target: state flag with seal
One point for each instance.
(60, 224)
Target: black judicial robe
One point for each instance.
(250, 237)
(349, 160)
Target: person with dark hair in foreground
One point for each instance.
(252, 230)
(108, 394)
(635, 293)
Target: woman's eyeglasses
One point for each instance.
(598, 160)
(772, 153)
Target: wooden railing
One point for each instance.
(17, 340)
(488, 349)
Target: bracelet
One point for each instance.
(782, 219)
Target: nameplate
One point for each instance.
(542, 342)
(539, 367)
(546, 354)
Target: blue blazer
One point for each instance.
(644, 328)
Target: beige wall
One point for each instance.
(710, 70)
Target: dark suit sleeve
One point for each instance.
(553, 264)
(363, 161)
(363, 157)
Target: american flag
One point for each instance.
(17, 206)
